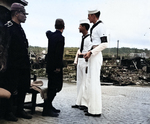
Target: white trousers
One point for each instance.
(93, 84)
(81, 82)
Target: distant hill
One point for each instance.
(71, 51)
(124, 51)
(37, 49)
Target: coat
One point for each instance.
(55, 50)
(17, 74)
(18, 57)
(55, 60)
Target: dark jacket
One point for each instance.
(55, 50)
(17, 74)
(18, 56)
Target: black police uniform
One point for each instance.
(18, 63)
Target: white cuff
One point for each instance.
(99, 48)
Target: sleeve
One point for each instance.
(99, 48)
(102, 45)
(76, 58)
(48, 33)
(59, 52)
(101, 30)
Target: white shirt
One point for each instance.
(87, 44)
(98, 31)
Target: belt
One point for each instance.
(80, 56)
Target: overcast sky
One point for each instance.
(126, 20)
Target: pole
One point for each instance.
(117, 48)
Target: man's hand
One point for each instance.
(75, 64)
(87, 55)
(57, 70)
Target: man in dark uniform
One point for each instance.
(54, 67)
(18, 65)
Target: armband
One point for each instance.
(103, 39)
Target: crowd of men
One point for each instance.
(15, 79)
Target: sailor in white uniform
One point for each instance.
(86, 45)
(95, 59)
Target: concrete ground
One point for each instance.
(121, 105)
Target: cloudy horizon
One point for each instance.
(126, 21)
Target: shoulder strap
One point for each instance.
(82, 43)
(94, 27)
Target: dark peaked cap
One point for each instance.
(18, 7)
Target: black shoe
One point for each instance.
(75, 106)
(82, 107)
(86, 110)
(50, 113)
(10, 117)
(55, 110)
(93, 115)
(24, 115)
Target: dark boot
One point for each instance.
(47, 110)
(23, 114)
(55, 110)
(7, 105)
(50, 113)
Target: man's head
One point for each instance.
(84, 25)
(59, 24)
(93, 15)
(18, 13)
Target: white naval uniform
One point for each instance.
(82, 75)
(95, 63)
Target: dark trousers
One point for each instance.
(6, 106)
(55, 81)
(23, 85)
(17, 81)
(14, 104)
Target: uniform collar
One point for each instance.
(15, 23)
(98, 21)
(58, 31)
(85, 35)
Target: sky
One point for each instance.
(126, 21)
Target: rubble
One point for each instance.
(121, 75)
(121, 72)
(69, 73)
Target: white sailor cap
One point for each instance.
(93, 11)
(85, 21)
